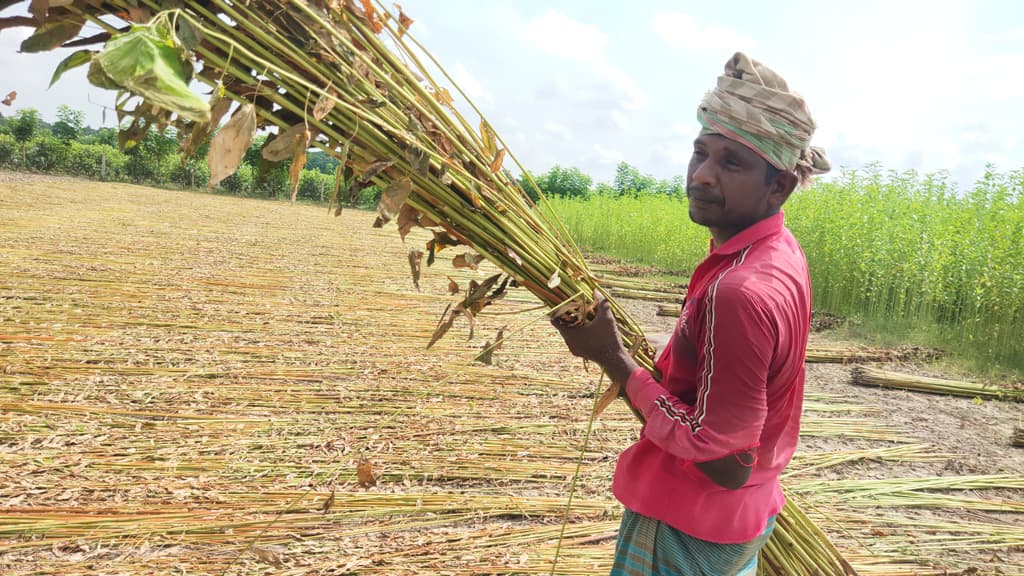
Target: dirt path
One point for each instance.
(201, 384)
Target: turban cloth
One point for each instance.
(753, 105)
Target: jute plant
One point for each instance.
(345, 77)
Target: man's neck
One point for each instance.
(720, 236)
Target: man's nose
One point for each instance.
(704, 174)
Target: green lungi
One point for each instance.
(647, 547)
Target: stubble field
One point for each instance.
(201, 384)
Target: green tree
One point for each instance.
(255, 151)
(49, 153)
(8, 149)
(192, 174)
(629, 181)
(528, 188)
(105, 136)
(24, 126)
(675, 187)
(96, 161)
(321, 162)
(315, 185)
(241, 182)
(270, 178)
(151, 159)
(565, 182)
(626, 177)
(69, 123)
(559, 181)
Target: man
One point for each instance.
(701, 486)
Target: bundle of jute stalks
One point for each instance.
(345, 77)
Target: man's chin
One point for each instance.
(697, 217)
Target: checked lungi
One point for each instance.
(647, 547)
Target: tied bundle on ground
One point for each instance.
(869, 376)
(345, 77)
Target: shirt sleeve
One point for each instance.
(735, 340)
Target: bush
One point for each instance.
(315, 186)
(152, 160)
(194, 174)
(274, 183)
(241, 182)
(47, 154)
(141, 169)
(96, 161)
(9, 150)
(368, 198)
(106, 136)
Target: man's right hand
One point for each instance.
(599, 341)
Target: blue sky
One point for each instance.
(913, 85)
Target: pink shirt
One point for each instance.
(732, 380)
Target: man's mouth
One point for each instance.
(700, 195)
(701, 200)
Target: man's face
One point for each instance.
(725, 184)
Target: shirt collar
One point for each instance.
(757, 231)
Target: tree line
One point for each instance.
(68, 146)
(561, 182)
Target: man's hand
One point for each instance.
(598, 341)
(732, 471)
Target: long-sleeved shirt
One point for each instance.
(732, 384)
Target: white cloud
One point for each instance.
(939, 154)
(1000, 73)
(472, 86)
(605, 155)
(679, 30)
(676, 152)
(635, 98)
(564, 37)
(620, 119)
(887, 90)
(688, 130)
(558, 130)
(1012, 37)
(671, 151)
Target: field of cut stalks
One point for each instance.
(200, 384)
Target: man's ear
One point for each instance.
(781, 187)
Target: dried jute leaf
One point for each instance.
(229, 145)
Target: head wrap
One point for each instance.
(754, 106)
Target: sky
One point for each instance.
(927, 86)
